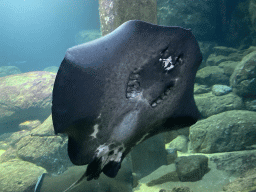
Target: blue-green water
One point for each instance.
(216, 154)
(39, 32)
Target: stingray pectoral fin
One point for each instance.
(107, 159)
(81, 152)
(93, 170)
(112, 168)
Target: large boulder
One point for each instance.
(250, 104)
(214, 60)
(225, 51)
(219, 90)
(191, 168)
(244, 183)
(49, 152)
(17, 176)
(211, 75)
(43, 148)
(228, 67)
(23, 97)
(87, 35)
(225, 132)
(45, 129)
(243, 79)
(53, 69)
(189, 14)
(209, 104)
(9, 70)
(179, 144)
(234, 163)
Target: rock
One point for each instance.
(181, 189)
(189, 14)
(45, 129)
(16, 136)
(53, 69)
(222, 54)
(5, 136)
(214, 60)
(170, 135)
(9, 154)
(235, 163)
(23, 97)
(179, 143)
(252, 14)
(17, 176)
(209, 104)
(243, 79)
(49, 152)
(29, 125)
(177, 189)
(250, 104)
(199, 89)
(162, 175)
(206, 49)
(225, 51)
(135, 181)
(211, 75)
(228, 67)
(2, 151)
(166, 177)
(221, 90)
(245, 183)
(164, 190)
(191, 168)
(39, 146)
(87, 35)
(3, 145)
(9, 70)
(249, 50)
(171, 156)
(228, 131)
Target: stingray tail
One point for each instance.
(76, 183)
(111, 170)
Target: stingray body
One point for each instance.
(115, 92)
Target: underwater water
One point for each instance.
(217, 153)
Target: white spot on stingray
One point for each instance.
(103, 152)
(102, 148)
(142, 139)
(168, 65)
(117, 155)
(140, 97)
(96, 130)
(99, 116)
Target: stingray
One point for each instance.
(113, 93)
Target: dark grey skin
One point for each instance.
(115, 92)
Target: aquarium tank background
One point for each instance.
(216, 154)
(36, 34)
